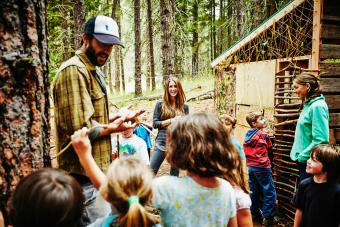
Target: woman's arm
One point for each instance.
(298, 217)
(82, 146)
(157, 121)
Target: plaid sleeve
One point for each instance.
(73, 106)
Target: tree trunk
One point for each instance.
(239, 18)
(212, 31)
(229, 17)
(257, 12)
(138, 67)
(122, 69)
(194, 44)
(150, 48)
(78, 22)
(24, 115)
(167, 24)
(65, 29)
(116, 14)
(271, 7)
(221, 20)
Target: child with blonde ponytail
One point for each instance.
(127, 185)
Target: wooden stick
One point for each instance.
(286, 97)
(288, 105)
(286, 123)
(287, 110)
(70, 143)
(287, 115)
(285, 131)
(147, 129)
(282, 141)
(283, 92)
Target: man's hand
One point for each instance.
(81, 142)
(119, 125)
(127, 114)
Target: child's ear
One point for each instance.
(253, 124)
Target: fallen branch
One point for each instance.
(204, 96)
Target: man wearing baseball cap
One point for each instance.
(80, 100)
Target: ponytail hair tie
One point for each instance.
(133, 199)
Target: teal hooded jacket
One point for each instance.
(312, 129)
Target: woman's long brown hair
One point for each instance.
(168, 110)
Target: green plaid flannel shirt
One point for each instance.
(80, 100)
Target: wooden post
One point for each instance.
(317, 12)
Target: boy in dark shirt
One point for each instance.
(256, 146)
(318, 197)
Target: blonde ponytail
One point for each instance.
(137, 216)
(129, 189)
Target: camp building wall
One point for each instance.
(330, 64)
(254, 92)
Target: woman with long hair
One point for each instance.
(167, 111)
(313, 124)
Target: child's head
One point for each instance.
(127, 133)
(201, 144)
(324, 158)
(129, 188)
(48, 197)
(228, 121)
(256, 120)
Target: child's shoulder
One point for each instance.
(166, 180)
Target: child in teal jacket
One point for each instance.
(313, 124)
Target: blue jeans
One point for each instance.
(261, 183)
(157, 158)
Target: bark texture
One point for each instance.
(24, 137)
(167, 37)
(151, 74)
(78, 22)
(138, 63)
(117, 52)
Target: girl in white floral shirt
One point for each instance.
(198, 144)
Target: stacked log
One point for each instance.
(286, 113)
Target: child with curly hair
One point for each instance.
(199, 144)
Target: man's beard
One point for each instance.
(91, 54)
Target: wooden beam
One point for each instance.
(333, 101)
(336, 134)
(329, 69)
(330, 84)
(331, 18)
(329, 51)
(264, 27)
(334, 120)
(317, 12)
(330, 31)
